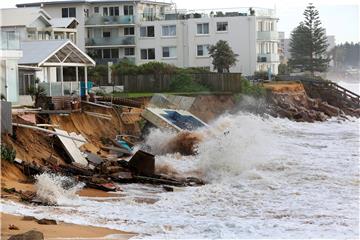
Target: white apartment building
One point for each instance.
(143, 31)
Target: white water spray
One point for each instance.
(55, 189)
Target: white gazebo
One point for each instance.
(52, 54)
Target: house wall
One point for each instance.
(55, 11)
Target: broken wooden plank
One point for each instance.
(48, 131)
(70, 147)
(96, 104)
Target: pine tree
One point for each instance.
(308, 44)
(223, 56)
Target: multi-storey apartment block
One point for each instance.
(144, 31)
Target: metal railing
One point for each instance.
(97, 19)
(104, 61)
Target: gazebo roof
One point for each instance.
(53, 53)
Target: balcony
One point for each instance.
(110, 41)
(267, 35)
(97, 20)
(10, 41)
(266, 58)
(104, 61)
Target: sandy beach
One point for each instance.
(59, 231)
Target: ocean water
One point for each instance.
(266, 178)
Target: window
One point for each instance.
(169, 52)
(106, 53)
(221, 26)
(68, 12)
(113, 11)
(147, 53)
(105, 11)
(129, 31)
(148, 31)
(114, 53)
(203, 28)
(96, 9)
(202, 50)
(129, 52)
(128, 10)
(106, 34)
(169, 30)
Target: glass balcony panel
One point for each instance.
(97, 19)
(108, 41)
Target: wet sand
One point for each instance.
(59, 231)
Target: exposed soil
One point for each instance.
(209, 107)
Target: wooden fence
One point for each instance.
(217, 82)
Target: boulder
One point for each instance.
(45, 221)
(30, 235)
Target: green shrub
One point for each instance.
(7, 153)
(252, 90)
(125, 67)
(262, 75)
(157, 68)
(182, 82)
(98, 72)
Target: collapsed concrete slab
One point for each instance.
(177, 120)
(71, 148)
(171, 101)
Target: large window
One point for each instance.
(111, 11)
(108, 53)
(203, 28)
(148, 31)
(96, 9)
(169, 30)
(147, 53)
(221, 26)
(169, 52)
(68, 12)
(105, 11)
(129, 51)
(203, 50)
(128, 10)
(129, 31)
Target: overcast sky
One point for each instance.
(339, 17)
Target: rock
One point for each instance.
(13, 227)
(329, 109)
(29, 218)
(30, 235)
(168, 188)
(45, 221)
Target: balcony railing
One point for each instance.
(104, 61)
(270, 57)
(10, 41)
(267, 35)
(110, 41)
(97, 19)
